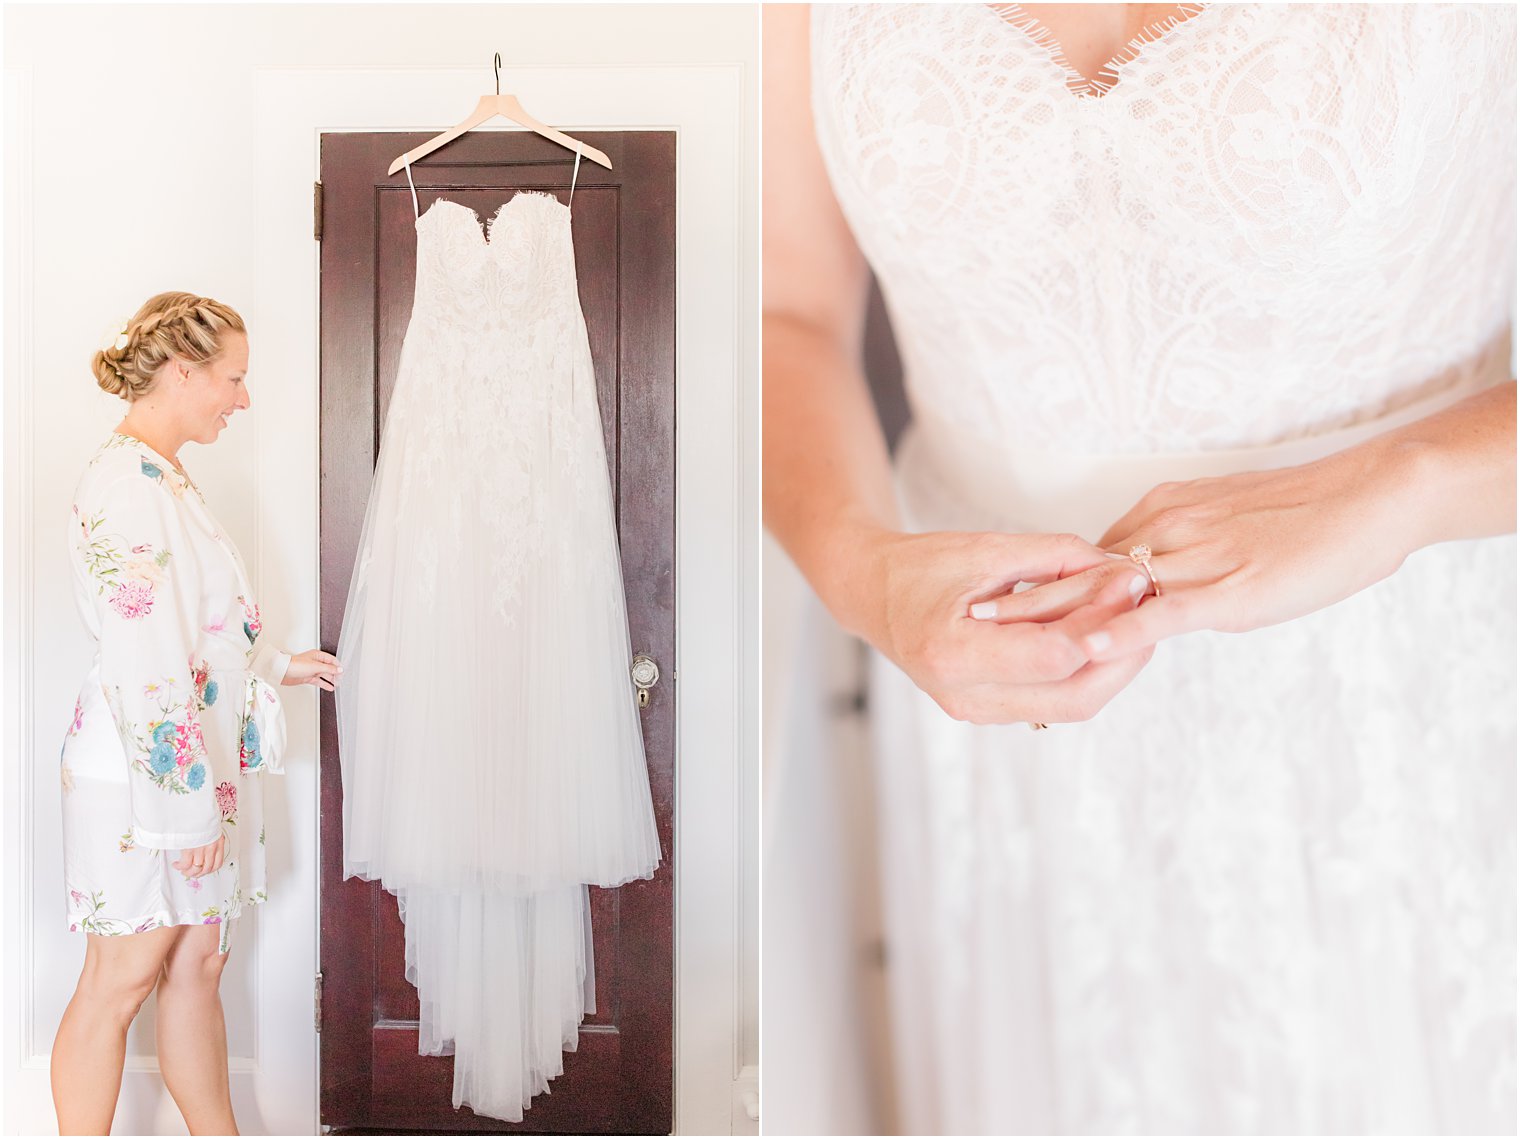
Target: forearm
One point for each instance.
(1448, 476)
(828, 482)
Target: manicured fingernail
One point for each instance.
(1095, 643)
(984, 610)
(1136, 586)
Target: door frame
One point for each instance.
(717, 520)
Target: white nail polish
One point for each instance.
(984, 610)
(1097, 642)
(1137, 586)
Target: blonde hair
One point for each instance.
(167, 325)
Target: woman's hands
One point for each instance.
(920, 590)
(313, 667)
(1248, 550)
(197, 861)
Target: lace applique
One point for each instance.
(478, 403)
(1279, 221)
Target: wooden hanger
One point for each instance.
(508, 107)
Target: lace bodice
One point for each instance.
(520, 272)
(1281, 219)
(495, 370)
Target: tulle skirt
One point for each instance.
(490, 746)
(1269, 889)
(500, 975)
(490, 735)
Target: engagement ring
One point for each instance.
(1141, 556)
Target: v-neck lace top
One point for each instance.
(1280, 220)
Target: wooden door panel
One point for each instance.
(620, 1077)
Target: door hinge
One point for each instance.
(316, 210)
(317, 1002)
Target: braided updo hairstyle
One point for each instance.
(169, 324)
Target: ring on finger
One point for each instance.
(1140, 554)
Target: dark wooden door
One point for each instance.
(620, 1079)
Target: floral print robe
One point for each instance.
(178, 715)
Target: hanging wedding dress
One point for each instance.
(489, 739)
(1270, 887)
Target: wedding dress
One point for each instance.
(1271, 886)
(490, 746)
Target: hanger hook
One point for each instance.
(498, 72)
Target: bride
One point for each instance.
(1205, 313)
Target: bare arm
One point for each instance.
(1453, 472)
(828, 488)
(827, 476)
(1255, 549)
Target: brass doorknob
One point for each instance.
(646, 674)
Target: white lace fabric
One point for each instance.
(1307, 208)
(510, 289)
(1271, 887)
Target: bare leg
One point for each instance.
(91, 1043)
(192, 1032)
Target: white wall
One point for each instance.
(150, 148)
(827, 1031)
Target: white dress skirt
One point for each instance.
(1271, 886)
(491, 750)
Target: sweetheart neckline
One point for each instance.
(486, 228)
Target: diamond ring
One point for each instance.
(1141, 555)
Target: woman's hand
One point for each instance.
(925, 604)
(313, 667)
(197, 861)
(1243, 551)
(1254, 549)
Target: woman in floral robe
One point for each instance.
(173, 727)
(176, 715)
